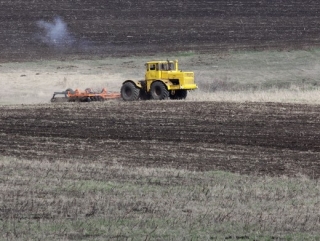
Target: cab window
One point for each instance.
(152, 67)
(164, 66)
(167, 66)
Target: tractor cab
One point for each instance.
(162, 65)
(159, 69)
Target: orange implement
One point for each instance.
(84, 96)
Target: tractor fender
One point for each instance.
(136, 83)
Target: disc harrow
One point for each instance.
(87, 95)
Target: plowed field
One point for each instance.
(123, 28)
(251, 138)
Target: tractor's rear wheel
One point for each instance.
(182, 94)
(129, 92)
(159, 91)
(179, 95)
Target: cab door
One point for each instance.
(152, 71)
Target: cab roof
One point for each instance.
(160, 61)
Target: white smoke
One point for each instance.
(55, 33)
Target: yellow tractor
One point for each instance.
(163, 80)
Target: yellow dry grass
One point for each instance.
(238, 76)
(272, 95)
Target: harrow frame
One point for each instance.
(87, 95)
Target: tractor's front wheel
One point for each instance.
(159, 91)
(129, 92)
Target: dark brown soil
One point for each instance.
(129, 27)
(249, 138)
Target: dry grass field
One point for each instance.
(263, 76)
(85, 199)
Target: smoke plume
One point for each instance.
(55, 33)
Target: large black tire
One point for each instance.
(129, 92)
(179, 95)
(182, 94)
(159, 91)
